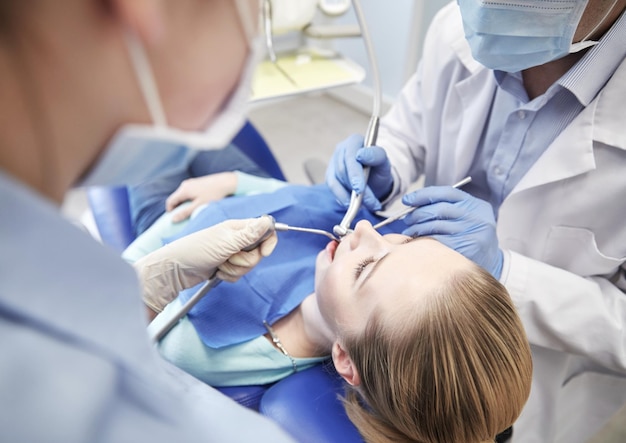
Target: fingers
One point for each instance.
(434, 194)
(372, 156)
(370, 201)
(245, 233)
(435, 211)
(185, 212)
(342, 195)
(267, 247)
(344, 169)
(354, 169)
(180, 195)
(238, 265)
(434, 227)
(242, 262)
(346, 173)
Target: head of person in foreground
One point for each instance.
(430, 343)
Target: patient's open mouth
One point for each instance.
(331, 248)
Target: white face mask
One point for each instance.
(141, 151)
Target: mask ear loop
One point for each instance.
(585, 43)
(145, 78)
(250, 24)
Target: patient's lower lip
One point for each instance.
(331, 248)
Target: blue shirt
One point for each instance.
(519, 130)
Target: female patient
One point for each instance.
(428, 342)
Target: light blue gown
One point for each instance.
(76, 363)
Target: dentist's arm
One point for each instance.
(218, 250)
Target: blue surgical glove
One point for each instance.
(459, 221)
(345, 172)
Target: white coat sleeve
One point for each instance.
(569, 313)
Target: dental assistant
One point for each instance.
(528, 98)
(78, 82)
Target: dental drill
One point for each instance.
(214, 281)
(371, 135)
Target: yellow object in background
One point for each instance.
(306, 72)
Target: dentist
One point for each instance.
(527, 97)
(80, 80)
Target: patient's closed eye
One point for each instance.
(361, 267)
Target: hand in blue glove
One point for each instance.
(345, 172)
(459, 221)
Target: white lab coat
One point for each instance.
(76, 363)
(563, 227)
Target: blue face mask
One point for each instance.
(513, 35)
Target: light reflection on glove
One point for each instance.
(345, 172)
(192, 259)
(458, 220)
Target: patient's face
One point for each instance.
(391, 274)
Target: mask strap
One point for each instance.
(145, 78)
(595, 28)
(249, 22)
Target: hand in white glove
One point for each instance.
(215, 251)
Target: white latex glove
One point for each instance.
(215, 251)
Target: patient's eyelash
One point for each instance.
(361, 267)
(411, 238)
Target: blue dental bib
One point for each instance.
(232, 313)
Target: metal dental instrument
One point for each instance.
(269, 41)
(206, 287)
(343, 228)
(214, 281)
(285, 227)
(398, 215)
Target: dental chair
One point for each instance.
(307, 403)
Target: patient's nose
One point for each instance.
(364, 233)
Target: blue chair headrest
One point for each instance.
(307, 405)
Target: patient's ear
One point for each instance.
(344, 365)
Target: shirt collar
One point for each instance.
(587, 77)
(590, 74)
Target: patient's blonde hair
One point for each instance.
(457, 369)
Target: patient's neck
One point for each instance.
(303, 332)
(315, 327)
